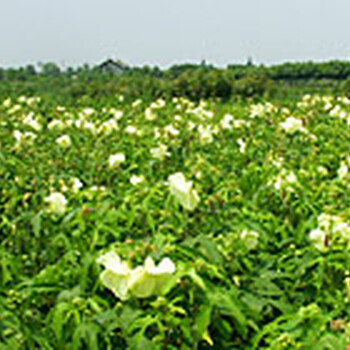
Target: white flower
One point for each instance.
(318, 237)
(342, 229)
(183, 191)
(343, 170)
(240, 123)
(165, 266)
(160, 152)
(131, 129)
(343, 115)
(150, 115)
(33, 123)
(135, 180)
(206, 114)
(63, 186)
(242, 145)
(226, 122)
(332, 227)
(32, 100)
(76, 185)
(117, 113)
(250, 238)
(141, 282)
(291, 178)
(7, 103)
(160, 103)
(292, 125)
(24, 138)
(284, 180)
(285, 111)
(90, 126)
(149, 279)
(117, 274)
(322, 170)
(56, 124)
(18, 136)
(78, 123)
(191, 126)
(86, 112)
(64, 141)
(277, 162)
(205, 134)
(116, 159)
(136, 103)
(98, 188)
(256, 110)
(108, 127)
(328, 106)
(156, 132)
(60, 109)
(14, 109)
(22, 99)
(324, 221)
(171, 130)
(56, 202)
(69, 122)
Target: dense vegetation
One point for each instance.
(171, 224)
(193, 81)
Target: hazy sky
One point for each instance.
(164, 32)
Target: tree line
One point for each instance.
(195, 81)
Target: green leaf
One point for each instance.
(58, 319)
(36, 224)
(212, 253)
(202, 320)
(227, 305)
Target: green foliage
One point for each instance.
(252, 175)
(345, 87)
(253, 86)
(194, 81)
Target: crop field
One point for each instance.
(174, 224)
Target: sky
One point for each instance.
(166, 32)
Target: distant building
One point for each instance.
(250, 62)
(113, 67)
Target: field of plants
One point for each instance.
(174, 224)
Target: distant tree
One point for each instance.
(50, 69)
(70, 71)
(30, 70)
(11, 74)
